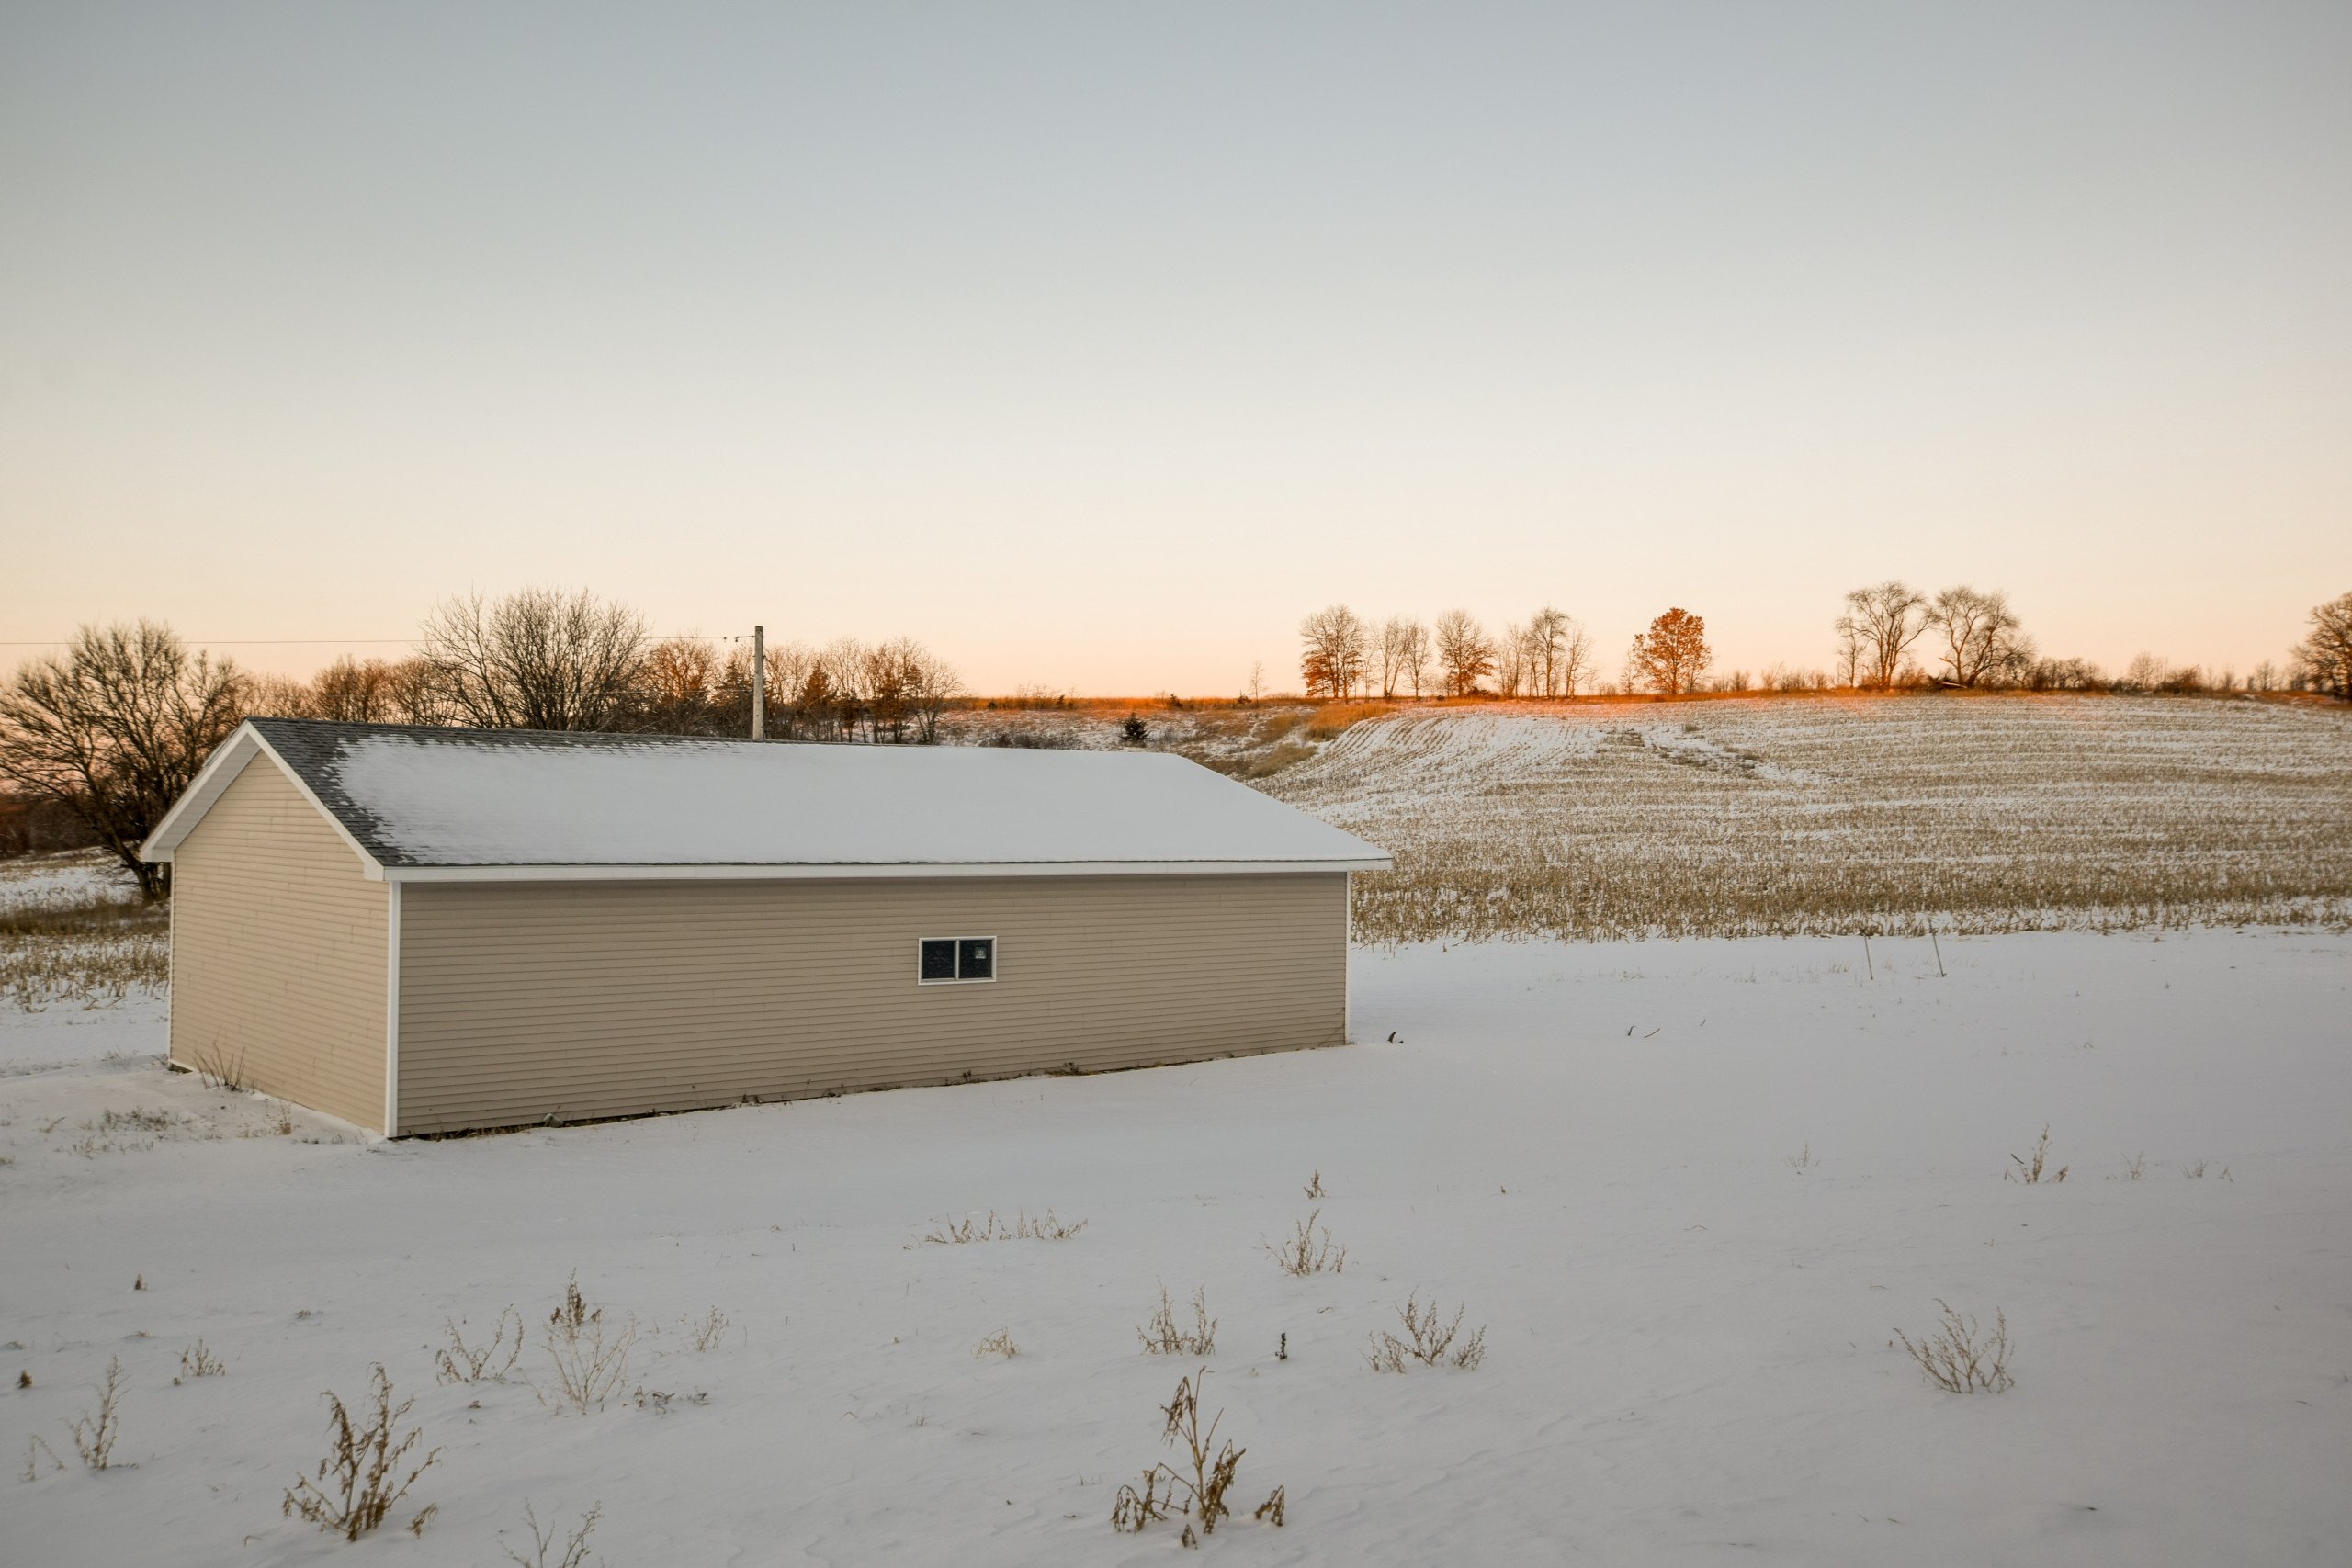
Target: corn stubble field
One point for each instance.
(73, 931)
(1813, 817)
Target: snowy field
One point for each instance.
(1691, 1189)
(1822, 815)
(1794, 816)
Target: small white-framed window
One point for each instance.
(954, 960)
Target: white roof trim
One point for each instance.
(848, 872)
(227, 762)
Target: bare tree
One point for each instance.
(683, 687)
(1671, 656)
(882, 687)
(1849, 662)
(1982, 637)
(1402, 644)
(1559, 654)
(1546, 630)
(1332, 662)
(1464, 656)
(839, 675)
(353, 691)
(277, 696)
(2323, 658)
(1513, 660)
(417, 694)
(1573, 662)
(922, 684)
(1416, 659)
(537, 659)
(114, 729)
(789, 666)
(1879, 625)
(2064, 675)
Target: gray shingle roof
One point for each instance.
(419, 798)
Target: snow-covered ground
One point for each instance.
(1601, 1149)
(65, 1033)
(72, 877)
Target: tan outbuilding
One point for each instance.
(427, 930)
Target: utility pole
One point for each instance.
(759, 683)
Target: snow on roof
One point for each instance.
(413, 798)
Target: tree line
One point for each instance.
(1548, 655)
(1345, 656)
(1890, 637)
(541, 660)
(96, 742)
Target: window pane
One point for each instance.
(939, 958)
(977, 959)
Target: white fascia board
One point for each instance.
(860, 873)
(212, 781)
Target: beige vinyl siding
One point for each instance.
(525, 1001)
(279, 950)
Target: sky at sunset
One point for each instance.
(1096, 344)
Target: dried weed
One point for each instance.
(360, 1479)
(1308, 1250)
(1163, 1337)
(1959, 1358)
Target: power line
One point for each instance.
(290, 642)
(253, 641)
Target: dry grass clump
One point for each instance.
(1897, 815)
(970, 1229)
(1308, 1250)
(1164, 1336)
(218, 1068)
(1959, 1358)
(360, 1479)
(2035, 1171)
(36, 1449)
(459, 1363)
(998, 1344)
(659, 1401)
(1314, 1185)
(1802, 1160)
(95, 1434)
(280, 1124)
(1197, 1492)
(590, 1361)
(570, 1551)
(198, 1361)
(135, 1131)
(704, 1333)
(1427, 1340)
